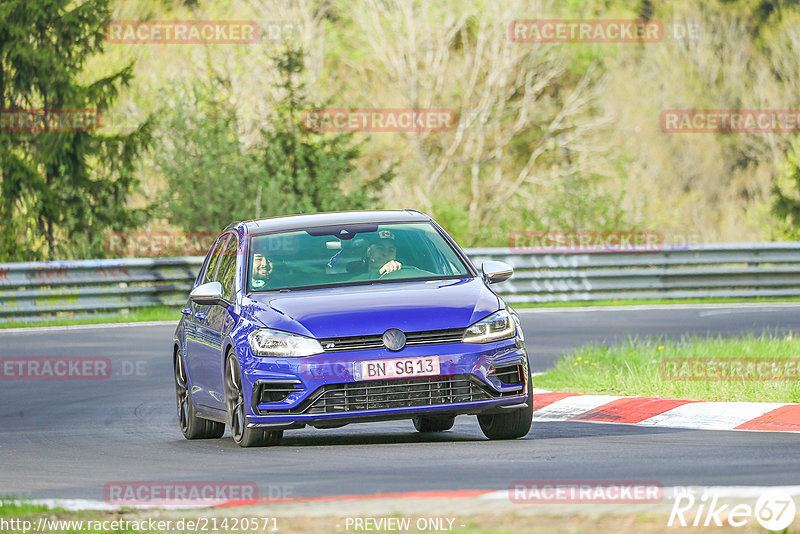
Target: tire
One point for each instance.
(512, 425)
(433, 424)
(192, 426)
(237, 417)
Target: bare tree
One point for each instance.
(520, 109)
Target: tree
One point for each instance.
(311, 170)
(213, 178)
(526, 117)
(61, 187)
(786, 204)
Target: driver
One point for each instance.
(262, 269)
(381, 254)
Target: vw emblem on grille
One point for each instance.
(394, 339)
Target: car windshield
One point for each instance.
(351, 254)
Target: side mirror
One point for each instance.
(496, 271)
(208, 294)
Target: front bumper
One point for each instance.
(322, 391)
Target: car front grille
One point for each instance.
(398, 393)
(375, 341)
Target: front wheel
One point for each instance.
(512, 425)
(192, 426)
(237, 419)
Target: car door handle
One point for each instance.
(186, 311)
(200, 315)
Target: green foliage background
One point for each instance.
(60, 190)
(548, 136)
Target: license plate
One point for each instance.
(398, 368)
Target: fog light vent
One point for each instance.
(276, 391)
(509, 375)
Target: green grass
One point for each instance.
(13, 507)
(634, 302)
(634, 368)
(155, 313)
(14, 511)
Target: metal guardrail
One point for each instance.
(39, 290)
(721, 270)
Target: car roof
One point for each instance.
(299, 222)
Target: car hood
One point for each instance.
(373, 309)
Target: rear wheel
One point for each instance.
(433, 424)
(511, 425)
(192, 426)
(234, 400)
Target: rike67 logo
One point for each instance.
(774, 510)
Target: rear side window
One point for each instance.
(227, 269)
(211, 268)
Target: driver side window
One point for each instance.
(227, 269)
(211, 268)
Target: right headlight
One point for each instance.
(276, 343)
(515, 316)
(498, 326)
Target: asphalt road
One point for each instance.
(71, 438)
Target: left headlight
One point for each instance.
(275, 343)
(499, 325)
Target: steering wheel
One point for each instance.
(406, 272)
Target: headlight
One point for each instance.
(515, 316)
(499, 325)
(268, 342)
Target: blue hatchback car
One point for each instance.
(338, 318)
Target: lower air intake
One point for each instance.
(399, 393)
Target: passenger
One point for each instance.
(262, 270)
